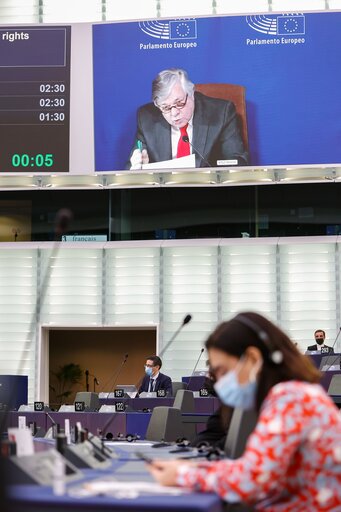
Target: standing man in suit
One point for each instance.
(320, 336)
(181, 121)
(154, 379)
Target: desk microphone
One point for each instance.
(118, 374)
(332, 350)
(185, 138)
(87, 380)
(185, 321)
(55, 426)
(96, 381)
(195, 367)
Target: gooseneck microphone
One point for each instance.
(96, 381)
(337, 337)
(118, 374)
(195, 367)
(331, 352)
(87, 380)
(185, 138)
(185, 321)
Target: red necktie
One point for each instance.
(183, 147)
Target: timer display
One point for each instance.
(39, 160)
(34, 99)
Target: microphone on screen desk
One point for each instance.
(185, 138)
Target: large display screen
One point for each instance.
(34, 99)
(289, 65)
(266, 93)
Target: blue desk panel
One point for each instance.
(33, 498)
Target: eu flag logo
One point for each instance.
(290, 24)
(184, 29)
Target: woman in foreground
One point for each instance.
(292, 461)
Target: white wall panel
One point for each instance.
(189, 287)
(68, 11)
(248, 279)
(71, 286)
(308, 290)
(18, 282)
(242, 6)
(131, 9)
(295, 5)
(132, 286)
(176, 8)
(19, 11)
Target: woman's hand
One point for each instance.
(165, 471)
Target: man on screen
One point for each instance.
(181, 121)
(154, 379)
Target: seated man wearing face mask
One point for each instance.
(320, 336)
(154, 379)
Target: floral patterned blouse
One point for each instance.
(292, 461)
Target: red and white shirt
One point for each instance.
(292, 461)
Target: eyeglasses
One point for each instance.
(179, 105)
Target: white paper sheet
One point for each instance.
(177, 163)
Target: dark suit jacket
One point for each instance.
(215, 132)
(162, 382)
(326, 349)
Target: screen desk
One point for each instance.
(126, 468)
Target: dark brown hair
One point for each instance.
(251, 329)
(156, 360)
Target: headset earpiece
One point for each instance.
(276, 356)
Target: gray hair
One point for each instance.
(164, 82)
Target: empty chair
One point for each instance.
(331, 362)
(184, 401)
(242, 424)
(165, 424)
(176, 386)
(335, 385)
(90, 400)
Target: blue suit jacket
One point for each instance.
(216, 133)
(162, 382)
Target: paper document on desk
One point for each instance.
(103, 486)
(122, 490)
(177, 163)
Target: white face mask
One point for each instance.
(234, 394)
(148, 370)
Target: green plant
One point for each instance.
(67, 376)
